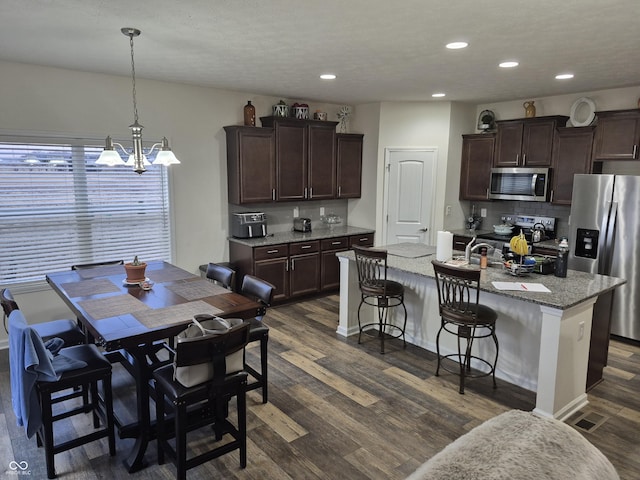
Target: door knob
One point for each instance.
(424, 229)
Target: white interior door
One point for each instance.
(409, 194)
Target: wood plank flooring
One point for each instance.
(341, 410)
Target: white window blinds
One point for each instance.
(58, 208)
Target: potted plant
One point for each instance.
(135, 271)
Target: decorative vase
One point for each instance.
(301, 113)
(249, 114)
(135, 273)
(529, 109)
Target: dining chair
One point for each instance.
(207, 403)
(465, 317)
(262, 292)
(38, 375)
(66, 329)
(378, 291)
(222, 275)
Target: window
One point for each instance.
(58, 208)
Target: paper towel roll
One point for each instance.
(444, 246)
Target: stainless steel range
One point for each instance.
(535, 228)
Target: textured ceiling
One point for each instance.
(380, 50)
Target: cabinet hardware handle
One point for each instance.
(305, 192)
(305, 246)
(273, 251)
(551, 199)
(364, 239)
(524, 159)
(336, 243)
(487, 193)
(273, 194)
(310, 192)
(293, 264)
(286, 266)
(339, 190)
(635, 151)
(517, 158)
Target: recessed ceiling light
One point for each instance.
(564, 76)
(508, 64)
(438, 95)
(328, 76)
(457, 45)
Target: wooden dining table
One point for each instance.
(132, 324)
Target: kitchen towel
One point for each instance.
(444, 246)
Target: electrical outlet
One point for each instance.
(321, 211)
(448, 210)
(580, 330)
(483, 212)
(296, 212)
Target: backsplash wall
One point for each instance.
(280, 215)
(497, 208)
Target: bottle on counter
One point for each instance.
(562, 258)
(483, 257)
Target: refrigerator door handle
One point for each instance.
(609, 239)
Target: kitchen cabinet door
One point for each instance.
(617, 135)
(291, 161)
(274, 271)
(526, 142)
(349, 165)
(250, 150)
(322, 162)
(477, 160)
(571, 155)
(329, 263)
(304, 274)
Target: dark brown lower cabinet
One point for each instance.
(330, 265)
(304, 268)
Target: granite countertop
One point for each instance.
(291, 236)
(565, 292)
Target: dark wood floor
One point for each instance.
(341, 410)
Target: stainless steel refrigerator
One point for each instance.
(605, 239)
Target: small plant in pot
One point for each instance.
(135, 271)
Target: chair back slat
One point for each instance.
(458, 292)
(372, 270)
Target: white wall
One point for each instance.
(49, 100)
(414, 124)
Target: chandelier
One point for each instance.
(137, 157)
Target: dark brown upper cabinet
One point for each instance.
(617, 135)
(250, 164)
(477, 160)
(571, 155)
(526, 142)
(349, 165)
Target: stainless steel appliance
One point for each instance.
(604, 235)
(528, 184)
(302, 224)
(249, 225)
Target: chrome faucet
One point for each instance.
(470, 248)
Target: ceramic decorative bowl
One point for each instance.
(503, 229)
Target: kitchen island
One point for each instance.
(544, 337)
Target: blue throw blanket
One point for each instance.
(31, 362)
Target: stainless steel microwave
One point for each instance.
(528, 184)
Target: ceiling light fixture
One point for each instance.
(457, 45)
(564, 76)
(509, 64)
(137, 158)
(437, 95)
(328, 76)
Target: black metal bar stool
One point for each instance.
(379, 292)
(462, 315)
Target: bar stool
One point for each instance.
(379, 292)
(463, 316)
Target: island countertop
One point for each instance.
(291, 236)
(565, 293)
